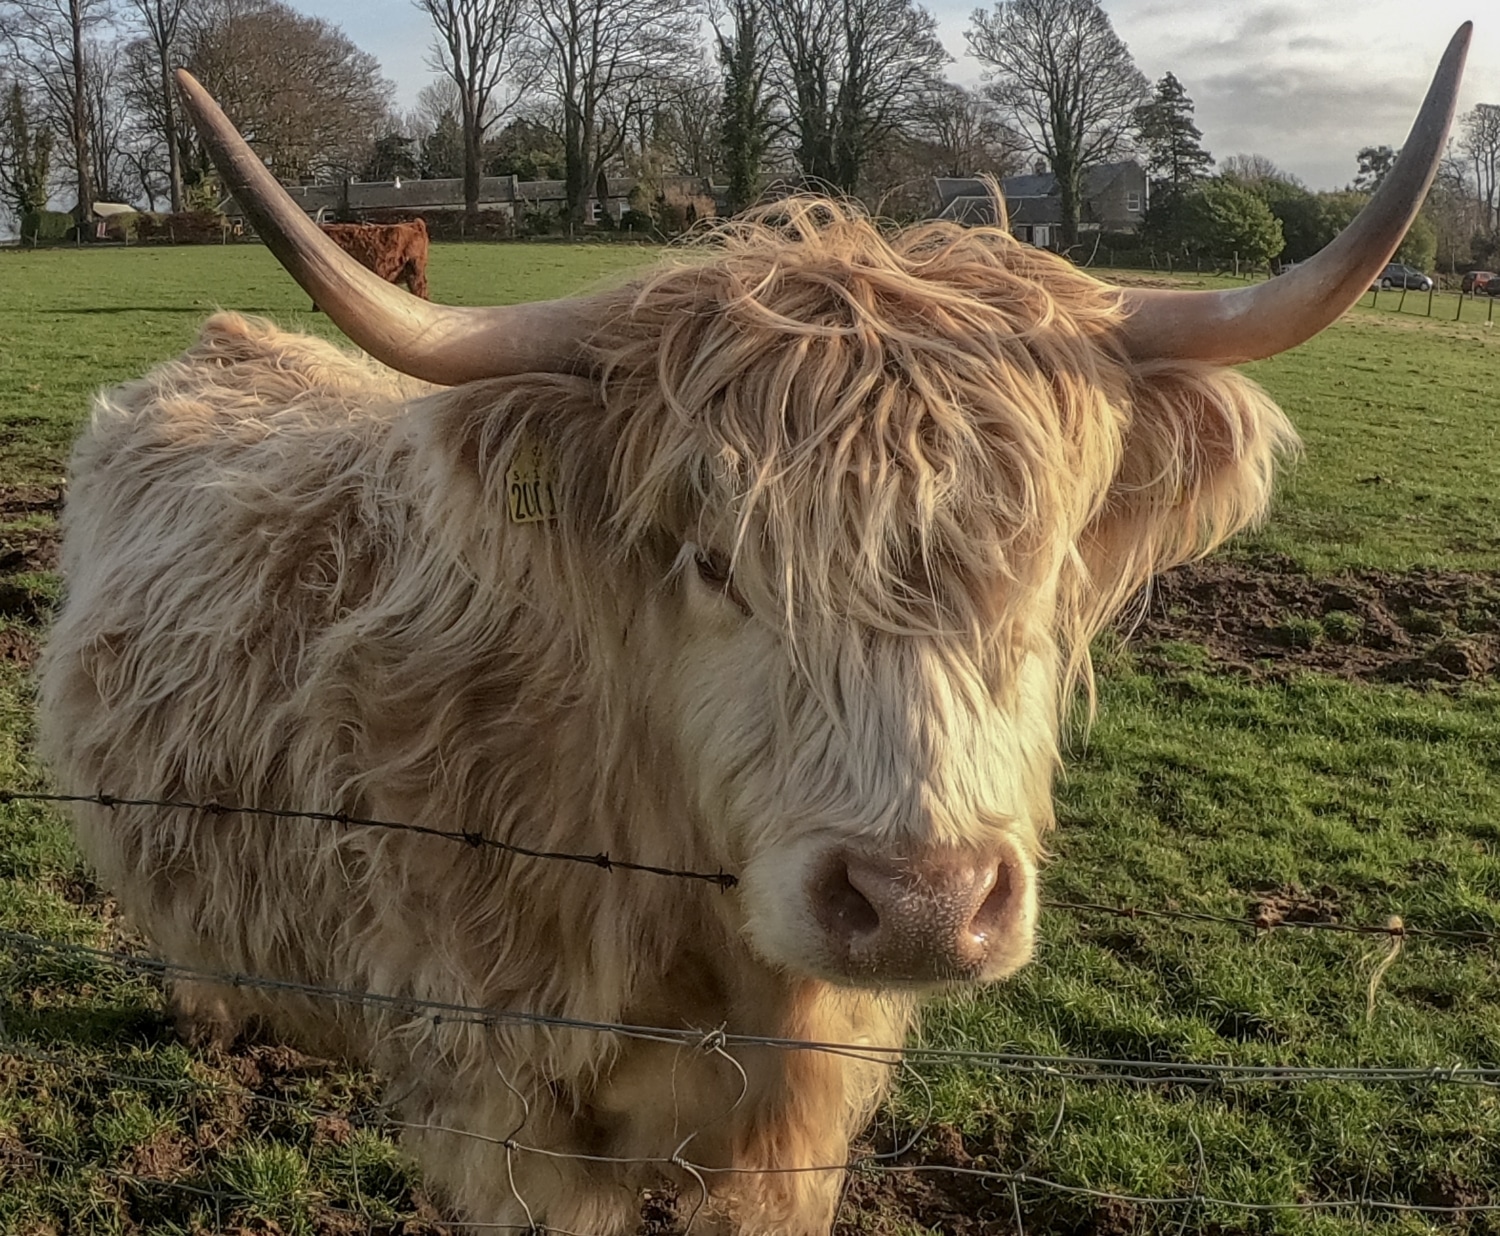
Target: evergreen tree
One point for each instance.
(745, 113)
(443, 149)
(1175, 157)
(25, 156)
(1175, 160)
(393, 155)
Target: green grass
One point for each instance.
(1195, 790)
(71, 322)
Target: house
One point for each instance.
(1114, 200)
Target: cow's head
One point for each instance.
(870, 495)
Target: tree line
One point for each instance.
(844, 95)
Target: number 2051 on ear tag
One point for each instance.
(530, 483)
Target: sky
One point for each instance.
(1305, 84)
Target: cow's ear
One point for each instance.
(1200, 447)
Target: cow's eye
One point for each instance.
(713, 570)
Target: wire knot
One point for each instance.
(713, 1041)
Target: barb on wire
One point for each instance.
(1072, 1068)
(721, 879)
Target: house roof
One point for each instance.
(974, 210)
(1095, 181)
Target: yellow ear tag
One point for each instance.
(530, 484)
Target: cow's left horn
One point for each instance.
(1250, 323)
(440, 343)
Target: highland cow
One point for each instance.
(397, 252)
(781, 560)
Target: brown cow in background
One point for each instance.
(397, 252)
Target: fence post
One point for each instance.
(1430, 291)
(1490, 317)
(1400, 304)
(1459, 315)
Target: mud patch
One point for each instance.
(1290, 903)
(1268, 620)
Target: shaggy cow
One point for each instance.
(833, 514)
(397, 252)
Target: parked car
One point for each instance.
(1399, 275)
(1479, 283)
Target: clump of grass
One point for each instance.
(1424, 622)
(1301, 632)
(1343, 627)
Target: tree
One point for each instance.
(306, 99)
(1225, 219)
(964, 133)
(1251, 169)
(1481, 145)
(849, 74)
(25, 155)
(1305, 224)
(1067, 79)
(597, 56)
(393, 156)
(1171, 142)
(1375, 163)
(161, 21)
(108, 120)
(476, 47)
(528, 149)
(1175, 159)
(443, 149)
(745, 110)
(50, 39)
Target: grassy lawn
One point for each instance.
(1197, 789)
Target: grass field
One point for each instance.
(1251, 789)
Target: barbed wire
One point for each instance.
(469, 837)
(1072, 1068)
(865, 1165)
(1266, 921)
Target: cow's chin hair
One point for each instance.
(780, 928)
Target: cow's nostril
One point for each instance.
(842, 908)
(993, 913)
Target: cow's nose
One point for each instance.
(933, 916)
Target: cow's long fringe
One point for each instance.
(925, 430)
(292, 578)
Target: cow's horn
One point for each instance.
(440, 343)
(1251, 323)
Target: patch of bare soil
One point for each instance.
(1290, 903)
(883, 1203)
(1268, 620)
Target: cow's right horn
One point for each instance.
(439, 343)
(1250, 323)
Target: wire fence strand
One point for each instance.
(1265, 921)
(468, 837)
(1072, 1068)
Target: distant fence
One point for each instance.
(902, 1159)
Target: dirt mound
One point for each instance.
(1269, 620)
(28, 554)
